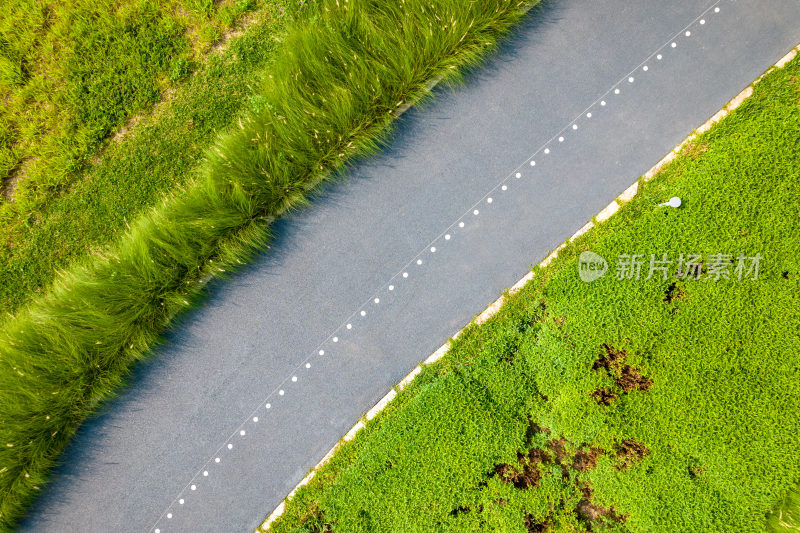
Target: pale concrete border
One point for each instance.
(606, 213)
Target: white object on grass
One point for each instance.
(673, 202)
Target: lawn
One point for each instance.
(624, 404)
(330, 94)
(73, 71)
(79, 189)
(157, 154)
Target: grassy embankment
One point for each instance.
(72, 71)
(617, 405)
(343, 69)
(89, 71)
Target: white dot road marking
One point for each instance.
(476, 212)
(269, 406)
(447, 237)
(461, 224)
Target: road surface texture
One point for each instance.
(278, 332)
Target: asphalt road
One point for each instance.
(130, 468)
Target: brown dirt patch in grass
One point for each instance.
(629, 452)
(559, 447)
(674, 292)
(573, 460)
(696, 470)
(535, 526)
(593, 514)
(585, 460)
(631, 379)
(626, 377)
(526, 476)
(604, 396)
(534, 429)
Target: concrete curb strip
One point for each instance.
(605, 214)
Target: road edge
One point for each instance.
(604, 214)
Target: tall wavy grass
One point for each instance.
(346, 66)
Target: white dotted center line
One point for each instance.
(446, 235)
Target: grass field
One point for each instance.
(156, 155)
(330, 95)
(45, 228)
(618, 405)
(72, 71)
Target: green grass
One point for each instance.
(132, 174)
(786, 518)
(709, 444)
(74, 71)
(343, 69)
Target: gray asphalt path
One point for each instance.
(130, 468)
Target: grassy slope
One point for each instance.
(72, 71)
(155, 156)
(331, 95)
(718, 424)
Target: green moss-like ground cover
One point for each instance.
(616, 405)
